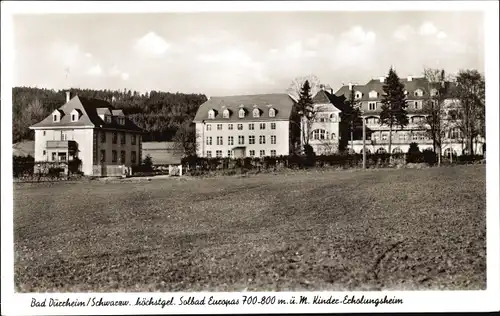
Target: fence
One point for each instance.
(26, 169)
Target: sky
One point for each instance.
(239, 53)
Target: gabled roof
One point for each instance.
(90, 117)
(281, 102)
(324, 96)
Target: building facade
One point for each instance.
(246, 126)
(101, 137)
(418, 91)
(324, 129)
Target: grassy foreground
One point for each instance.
(380, 229)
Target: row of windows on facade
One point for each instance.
(376, 120)
(454, 133)
(230, 153)
(416, 105)
(241, 140)
(114, 138)
(417, 93)
(75, 116)
(230, 127)
(114, 156)
(241, 113)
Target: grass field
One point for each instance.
(373, 230)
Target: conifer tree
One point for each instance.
(394, 105)
(305, 108)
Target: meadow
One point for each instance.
(406, 229)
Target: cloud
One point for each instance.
(441, 35)
(403, 32)
(297, 50)
(88, 55)
(95, 70)
(151, 44)
(66, 54)
(428, 29)
(358, 36)
(125, 76)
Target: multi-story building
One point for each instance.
(101, 137)
(246, 126)
(324, 129)
(418, 92)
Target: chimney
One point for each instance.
(68, 96)
(382, 79)
(322, 87)
(331, 90)
(350, 86)
(410, 78)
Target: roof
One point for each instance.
(324, 96)
(90, 109)
(158, 145)
(281, 102)
(162, 153)
(24, 148)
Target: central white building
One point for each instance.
(246, 126)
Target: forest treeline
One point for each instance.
(161, 114)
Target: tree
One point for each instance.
(351, 116)
(470, 94)
(394, 105)
(298, 83)
(185, 139)
(435, 124)
(307, 112)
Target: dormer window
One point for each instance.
(272, 112)
(55, 118)
(107, 118)
(373, 94)
(211, 114)
(56, 115)
(418, 93)
(434, 92)
(358, 95)
(241, 113)
(121, 120)
(256, 113)
(225, 114)
(75, 115)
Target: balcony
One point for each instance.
(70, 145)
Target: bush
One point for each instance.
(429, 157)
(414, 155)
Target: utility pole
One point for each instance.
(364, 143)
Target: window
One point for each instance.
(241, 140)
(103, 155)
(218, 153)
(372, 106)
(121, 120)
(322, 119)
(262, 139)
(44, 133)
(73, 117)
(209, 127)
(418, 93)
(54, 156)
(229, 153)
(262, 153)
(211, 114)
(455, 133)
(397, 150)
(44, 152)
(209, 140)
(133, 139)
(333, 117)
(319, 134)
(230, 140)
(273, 153)
(114, 156)
(115, 138)
(252, 153)
(256, 113)
(55, 118)
(272, 112)
(434, 92)
(230, 127)
(122, 156)
(122, 138)
(219, 127)
(373, 94)
(251, 139)
(64, 136)
(133, 157)
(417, 105)
(372, 120)
(219, 140)
(358, 95)
(62, 156)
(240, 127)
(384, 136)
(251, 126)
(241, 113)
(273, 125)
(225, 114)
(103, 137)
(333, 136)
(273, 139)
(402, 136)
(262, 125)
(415, 136)
(108, 118)
(209, 154)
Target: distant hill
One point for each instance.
(25, 148)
